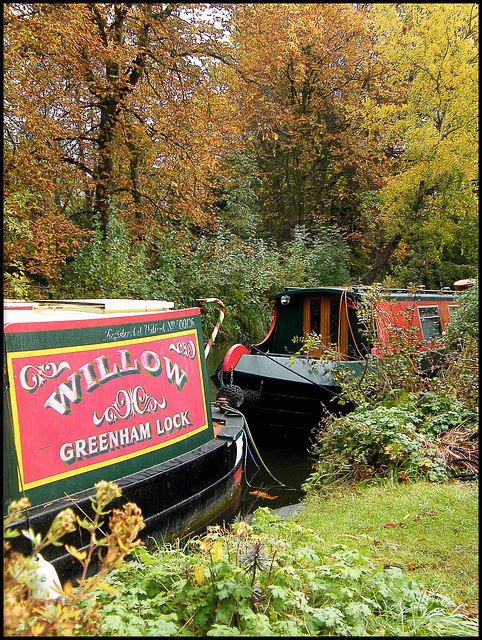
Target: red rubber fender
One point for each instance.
(232, 356)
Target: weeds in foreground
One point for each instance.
(32, 606)
(272, 577)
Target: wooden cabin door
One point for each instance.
(325, 316)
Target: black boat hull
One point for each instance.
(279, 398)
(178, 497)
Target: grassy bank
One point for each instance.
(428, 530)
(376, 560)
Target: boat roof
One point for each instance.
(359, 291)
(23, 311)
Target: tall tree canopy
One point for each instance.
(430, 200)
(310, 68)
(120, 104)
(361, 118)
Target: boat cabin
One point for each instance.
(330, 314)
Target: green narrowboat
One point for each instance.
(284, 384)
(114, 390)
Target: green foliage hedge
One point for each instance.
(388, 441)
(181, 267)
(272, 577)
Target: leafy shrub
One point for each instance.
(38, 240)
(465, 323)
(179, 266)
(17, 285)
(272, 577)
(315, 258)
(245, 275)
(380, 441)
(111, 267)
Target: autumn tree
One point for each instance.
(120, 105)
(429, 203)
(309, 68)
(362, 117)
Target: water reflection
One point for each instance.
(288, 464)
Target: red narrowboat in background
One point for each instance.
(284, 384)
(114, 390)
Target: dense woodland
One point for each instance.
(177, 151)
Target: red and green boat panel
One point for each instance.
(283, 386)
(99, 397)
(331, 312)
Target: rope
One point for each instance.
(227, 407)
(215, 332)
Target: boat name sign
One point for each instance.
(81, 407)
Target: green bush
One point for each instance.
(380, 441)
(177, 265)
(111, 267)
(315, 258)
(246, 275)
(242, 276)
(465, 323)
(273, 577)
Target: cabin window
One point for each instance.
(322, 317)
(452, 311)
(315, 317)
(430, 322)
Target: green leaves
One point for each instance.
(306, 553)
(380, 440)
(278, 591)
(328, 617)
(309, 589)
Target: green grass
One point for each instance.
(429, 530)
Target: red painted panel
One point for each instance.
(79, 408)
(400, 315)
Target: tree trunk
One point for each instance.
(384, 255)
(117, 87)
(381, 260)
(105, 166)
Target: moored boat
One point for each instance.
(285, 383)
(114, 390)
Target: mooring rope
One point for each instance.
(215, 332)
(222, 405)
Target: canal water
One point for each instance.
(290, 465)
